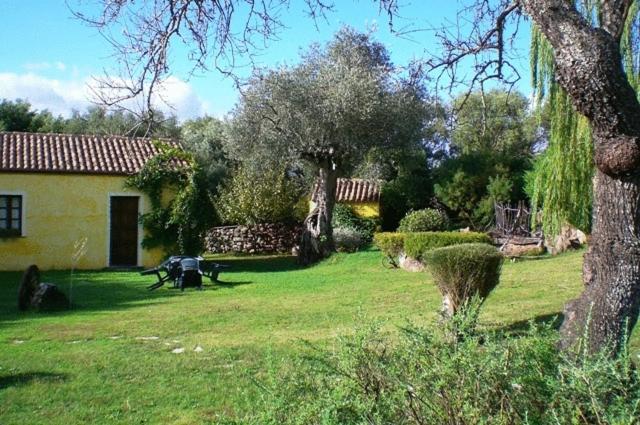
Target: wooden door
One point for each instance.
(123, 246)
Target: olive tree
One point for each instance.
(329, 110)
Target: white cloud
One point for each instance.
(61, 97)
(58, 96)
(43, 66)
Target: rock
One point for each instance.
(513, 250)
(410, 264)
(569, 238)
(179, 350)
(28, 286)
(49, 298)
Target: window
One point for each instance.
(11, 213)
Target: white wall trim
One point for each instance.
(23, 215)
(140, 229)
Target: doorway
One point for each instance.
(123, 242)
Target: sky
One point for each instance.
(49, 58)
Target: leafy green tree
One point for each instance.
(205, 139)
(406, 168)
(492, 142)
(18, 116)
(262, 194)
(99, 120)
(329, 110)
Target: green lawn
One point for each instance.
(110, 359)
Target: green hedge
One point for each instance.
(417, 244)
(390, 243)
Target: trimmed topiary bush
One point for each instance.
(347, 239)
(391, 244)
(427, 220)
(417, 244)
(463, 272)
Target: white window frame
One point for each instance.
(23, 216)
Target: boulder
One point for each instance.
(569, 238)
(410, 264)
(49, 298)
(39, 296)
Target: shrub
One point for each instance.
(424, 377)
(347, 239)
(463, 272)
(259, 195)
(417, 244)
(427, 220)
(391, 244)
(344, 217)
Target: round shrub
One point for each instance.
(427, 220)
(347, 239)
(464, 271)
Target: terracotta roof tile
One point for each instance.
(67, 153)
(354, 190)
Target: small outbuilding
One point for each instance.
(63, 201)
(363, 196)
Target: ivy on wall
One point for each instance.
(177, 225)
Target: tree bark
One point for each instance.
(589, 68)
(608, 308)
(317, 237)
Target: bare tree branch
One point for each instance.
(217, 33)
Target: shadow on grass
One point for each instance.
(552, 320)
(228, 284)
(87, 291)
(18, 379)
(258, 264)
(113, 290)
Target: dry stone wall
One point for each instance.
(255, 239)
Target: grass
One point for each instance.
(110, 360)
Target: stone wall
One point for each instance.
(256, 239)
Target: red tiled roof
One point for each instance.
(74, 153)
(354, 190)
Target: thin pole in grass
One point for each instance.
(79, 251)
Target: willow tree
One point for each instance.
(330, 110)
(565, 187)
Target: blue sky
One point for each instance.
(48, 58)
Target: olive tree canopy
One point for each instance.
(330, 110)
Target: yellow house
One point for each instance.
(363, 196)
(63, 202)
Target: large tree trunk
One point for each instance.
(589, 68)
(317, 237)
(608, 308)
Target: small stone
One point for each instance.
(198, 349)
(179, 350)
(148, 338)
(18, 341)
